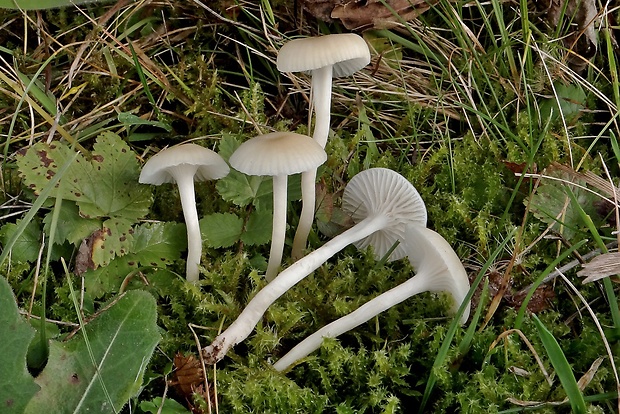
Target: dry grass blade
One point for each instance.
(602, 266)
(527, 342)
(583, 382)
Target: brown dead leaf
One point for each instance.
(366, 15)
(374, 14)
(187, 376)
(84, 257)
(540, 300)
(600, 267)
(580, 14)
(321, 9)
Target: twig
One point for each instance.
(29, 315)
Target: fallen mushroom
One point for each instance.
(278, 154)
(438, 270)
(324, 57)
(381, 202)
(184, 164)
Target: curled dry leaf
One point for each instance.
(375, 14)
(366, 15)
(602, 266)
(187, 376)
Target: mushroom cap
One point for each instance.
(431, 255)
(383, 191)
(278, 153)
(347, 52)
(162, 167)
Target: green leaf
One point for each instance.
(157, 244)
(114, 239)
(551, 204)
(101, 374)
(27, 244)
(129, 119)
(150, 244)
(108, 279)
(221, 229)
(36, 205)
(562, 367)
(571, 99)
(38, 348)
(114, 191)
(228, 145)
(71, 226)
(258, 228)
(17, 386)
(170, 406)
(242, 189)
(443, 352)
(106, 186)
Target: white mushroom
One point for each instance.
(278, 154)
(324, 57)
(383, 203)
(184, 164)
(438, 270)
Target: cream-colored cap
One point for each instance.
(432, 256)
(161, 168)
(347, 52)
(278, 153)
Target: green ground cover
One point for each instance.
(480, 105)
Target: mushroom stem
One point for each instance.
(278, 232)
(321, 100)
(308, 196)
(417, 284)
(185, 182)
(251, 315)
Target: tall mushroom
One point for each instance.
(184, 164)
(438, 268)
(324, 57)
(278, 154)
(382, 203)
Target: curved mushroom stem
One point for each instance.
(278, 233)
(308, 195)
(321, 99)
(185, 182)
(417, 284)
(253, 312)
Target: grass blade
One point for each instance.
(562, 367)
